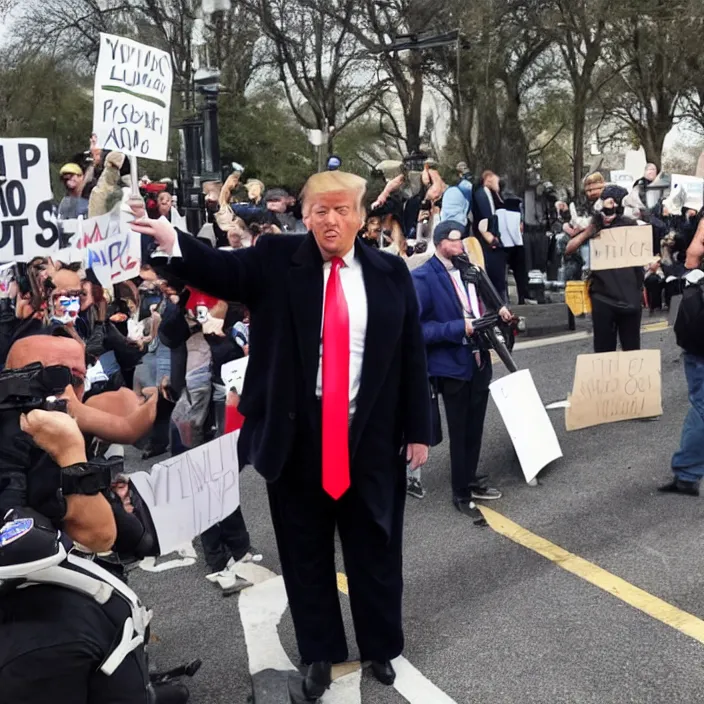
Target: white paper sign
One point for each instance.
(115, 259)
(233, 373)
(28, 226)
(527, 422)
(693, 186)
(132, 98)
(189, 493)
(623, 179)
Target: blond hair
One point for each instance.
(329, 182)
(593, 179)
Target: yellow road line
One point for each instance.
(342, 583)
(633, 596)
(656, 327)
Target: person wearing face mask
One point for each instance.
(616, 293)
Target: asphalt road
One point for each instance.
(488, 620)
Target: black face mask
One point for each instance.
(608, 212)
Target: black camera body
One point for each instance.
(34, 387)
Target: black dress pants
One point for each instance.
(465, 410)
(305, 519)
(609, 322)
(516, 260)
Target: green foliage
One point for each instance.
(261, 135)
(41, 97)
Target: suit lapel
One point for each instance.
(446, 284)
(305, 296)
(385, 315)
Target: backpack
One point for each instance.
(689, 324)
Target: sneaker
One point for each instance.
(414, 488)
(679, 486)
(486, 493)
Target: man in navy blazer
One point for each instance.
(458, 366)
(285, 283)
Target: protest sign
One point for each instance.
(693, 186)
(115, 259)
(621, 247)
(28, 226)
(132, 98)
(623, 178)
(527, 422)
(189, 493)
(614, 386)
(233, 373)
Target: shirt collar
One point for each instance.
(349, 259)
(445, 262)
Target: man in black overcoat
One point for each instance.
(336, 403)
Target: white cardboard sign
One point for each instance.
(27, 226)
(132, 98)
(189, 493)
(232, 373)
(693, 186)
(527, 422)
(115, 259)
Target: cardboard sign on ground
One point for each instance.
(621, 247)
(518, 402)
(615, 386)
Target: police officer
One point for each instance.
(73, 633)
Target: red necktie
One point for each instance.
(336, 386)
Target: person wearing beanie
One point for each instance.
(616, 294)
(459, 367)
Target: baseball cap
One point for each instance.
(334, 163)
(71, 169)
(448, 230)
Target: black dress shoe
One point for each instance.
(317, 680)
(679, 486)
(384, 672)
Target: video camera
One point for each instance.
(490, 330)
(34, 387)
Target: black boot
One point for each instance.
(318, 679)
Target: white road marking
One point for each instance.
(188, 558)
(415, 687)
(261, 608)
(346, 690)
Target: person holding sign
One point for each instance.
(616, 293)
(333, 426)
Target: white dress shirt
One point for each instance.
(352, 280)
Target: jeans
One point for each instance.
(688, 461)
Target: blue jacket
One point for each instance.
(457, 202)
(442, 320)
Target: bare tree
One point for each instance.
(327, 80)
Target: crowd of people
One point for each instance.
(404, 271)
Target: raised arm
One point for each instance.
(230, 276)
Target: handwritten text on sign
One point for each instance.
(615, 386)
(132, 98)
(621, 247)
(28, 228)
(115, 259)
(189, 493)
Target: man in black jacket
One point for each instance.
(332, 427)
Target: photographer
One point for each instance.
(74, 629)
(54, 638)
(458, 364)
